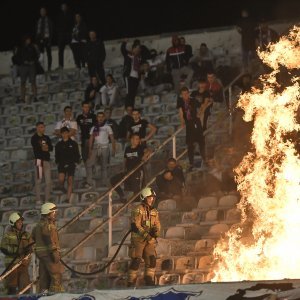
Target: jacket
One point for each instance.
(67, 153)
(46, 239)
(176, 57)
(16, 243)
(95, 51)
(143, 220)
(127, 60)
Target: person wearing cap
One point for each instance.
(145, 226)
(66, 157)
(47, 249)
(15, 244)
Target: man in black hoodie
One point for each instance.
(66, 157)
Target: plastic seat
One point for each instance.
(218, 229)
(18, 142)
(204, 244)
(233, 215)
(169, 97)
(169, 279)
(5, 216)
(59, 97)
(85, 254)
(193, 278)
(228, 201)
(123, 253)
(175, 233)
(27, 109)
(190, 218)
(19, 154)
(89, 197)
(205, 203)
(24, 176)
(70, 212)
(120, 222)
(205, 263)
(9, 203)
(182, 264)
(118, 113)
(165, 131)
(161, 120)
(96, 212)
(30, 120)
(11, 110)
(171, 108)
(31, 216)
(167, 205)
(54, 87)
(13, 120)
(150, 100)
(48, 118)
(14, 131)
(27, 201)
(156, 109)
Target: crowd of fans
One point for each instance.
(143, 69)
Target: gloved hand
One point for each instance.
(153, 232)
(56, 256)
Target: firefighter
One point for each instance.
(16, 243)
(145, 228)
(47, 250)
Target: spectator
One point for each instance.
(215, 87)
(109, 92)
(134, 154)
(156, 68)
(15, 65)
(188, 48)
(92, 92)
(44, 34)
(202, 62)
(265, 35)
(64, 31)
(131, 72)
(125, 123)
(68, 122)
(139, 126)
(189, 119)
(171, 183)
(42, 147)
(203, 97)
(176, 60)
(95, 56)
(111, 122)
(78, 41)
(85, 121)
(145, 53)
(27, 58)
(246, 83)
(246, 27)
(66, 157)
(100, 135)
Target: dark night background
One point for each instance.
(129, 18)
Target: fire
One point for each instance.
(266, 244)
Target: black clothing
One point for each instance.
(134, 182)
(64, 30)
(88, 90)
(86, 122)
(188, 52)
(66, 153)
(37, 142)
(114, 127)
(177, 172)
(247, 30)
(132, 87)
(26, 55)
(138, 127)
(124, 126)
(168, 188)
(194, 131)
(95, 57)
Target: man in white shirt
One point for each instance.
(100, 135)
(68, 122)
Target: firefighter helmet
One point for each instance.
(48, 208)
(14, 217)
(146, 192)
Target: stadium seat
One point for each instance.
(27, 109)
(228, 201)
(31, 216)
(70, 212)
(150, 100)
(204, 245)
(85, 254)
(167, 205)
(165, 131)
(59, 97)
(49, 119)
(163, 247)
(175, 233)
(30, 120)
(218, 229)
(156, 110)
(120, 222)
(14, 131)
(190, 218)
(205, 263)
(18, 142)
(9, 203)
(88, 197)
(13, 120)
(169, 279)
(233, 215)
(27, 201)
(206, 203)
(183, 264)
(169, 98)
(193, 278)
(161, 120)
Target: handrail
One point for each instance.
(104, 222)
(91, 206)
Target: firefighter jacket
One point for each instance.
(144, 223)
(15, 245)
(46, 239)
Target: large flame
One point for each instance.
(266, 244)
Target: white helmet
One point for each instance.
(14, 217)
(146, 192)
(48, 208)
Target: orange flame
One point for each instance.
(266, 244)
